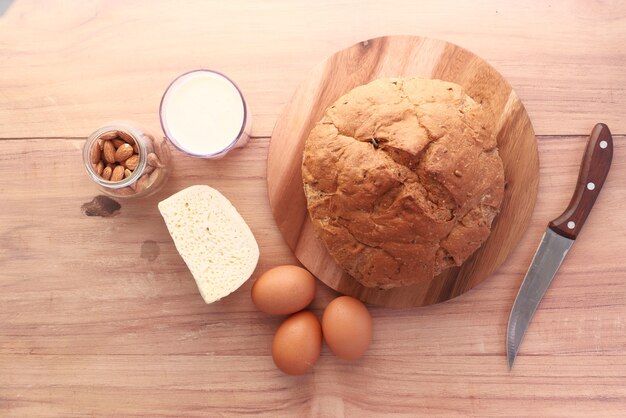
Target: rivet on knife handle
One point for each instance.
(593, 171)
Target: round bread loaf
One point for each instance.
(403, 180)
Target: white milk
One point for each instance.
(203, 113)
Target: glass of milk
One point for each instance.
(204, 114)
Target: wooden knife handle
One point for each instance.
(593, 171)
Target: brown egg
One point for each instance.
(347, 327)
(283, 290)
(297, 343)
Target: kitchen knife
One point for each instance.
(560, 236)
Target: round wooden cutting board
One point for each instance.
(403, 56)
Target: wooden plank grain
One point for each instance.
(228, 386)
(97, 61)
(91, 323)
(89, 326)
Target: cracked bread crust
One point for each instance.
(403, 180)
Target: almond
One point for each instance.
(123, 152)
(118, 142)
(126, 191)
(106, 173)
(99, 167)
(132, 162)
(95, 154)
(153, 160)
(154, 177)
(135, 149)
(108, 135)
(118, 173)
(142, 183)
(126, 137)
(109, 152)
(100, 144)
(149, 169)
(127, 173)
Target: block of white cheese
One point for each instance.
(213, 239)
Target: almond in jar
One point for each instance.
(125, 160)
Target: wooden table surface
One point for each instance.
(99, 316)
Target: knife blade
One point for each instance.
(559, 237)
(4, 5)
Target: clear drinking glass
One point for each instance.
(204, 114)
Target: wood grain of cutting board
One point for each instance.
(403, 56)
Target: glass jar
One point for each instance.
(123, 173)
